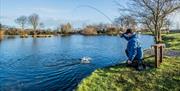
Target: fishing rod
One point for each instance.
(97, 10)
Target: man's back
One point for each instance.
(134, 49)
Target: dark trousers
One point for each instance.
(137, 58)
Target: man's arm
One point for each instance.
(125, 36)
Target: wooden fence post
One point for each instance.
(158, 50)
(161, 54)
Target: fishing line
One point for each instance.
(97, 10)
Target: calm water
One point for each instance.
(52, 64)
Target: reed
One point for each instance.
(1, 35)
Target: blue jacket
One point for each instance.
(134, 49)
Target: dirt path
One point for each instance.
(167, 52)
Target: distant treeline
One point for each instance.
(89, 30)
(66, 29)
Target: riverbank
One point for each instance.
(122, 78)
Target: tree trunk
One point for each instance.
(156, 39)
(22, 27)
(159, 36)
(156, 35)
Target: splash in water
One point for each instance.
(86, 60)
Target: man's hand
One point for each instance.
(129, 62)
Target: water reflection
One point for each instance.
(1, 37)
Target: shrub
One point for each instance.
(112, 31)
(89, 31)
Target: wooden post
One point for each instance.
(158, 50)
(161, 54)
(156, 56)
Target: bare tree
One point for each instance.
(119, 21)
(152, 13)
(126, 22)
(22, 20)
(101, 28)
(167, 25)
(66, 28)
(34, 21)
(41, 25)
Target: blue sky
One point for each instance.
(56, 12)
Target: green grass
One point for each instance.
(122, 78)
(147, 33)
(172, 41)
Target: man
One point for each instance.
(134, 50)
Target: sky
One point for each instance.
(55, 12)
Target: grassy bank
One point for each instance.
(122, 78)
(172, 41)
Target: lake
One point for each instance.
(53, 64)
